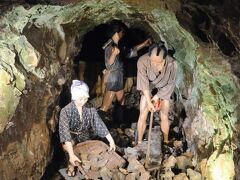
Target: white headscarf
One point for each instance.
(79, 89)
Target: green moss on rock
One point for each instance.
(219, 95)
(11, 84)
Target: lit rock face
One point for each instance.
(222, 167)
(37, 46)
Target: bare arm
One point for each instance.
(143, 44)
(68, 147)
(111, 142)
(148, 97)
(101, 129)
(135, 49)
(113, 52)
(143, 83)
(65, 137)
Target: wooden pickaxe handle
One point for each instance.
(149, 140)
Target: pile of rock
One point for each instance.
(176, 164)
(181, 168)
(98, 162)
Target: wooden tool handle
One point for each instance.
(149, 141)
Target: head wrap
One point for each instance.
(79, 89)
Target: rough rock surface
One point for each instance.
(37, 45)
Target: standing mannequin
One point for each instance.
(114, 67)
(156, 72)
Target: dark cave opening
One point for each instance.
(92, 56)
(226, 45)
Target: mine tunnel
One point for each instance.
(88, 66)
(45, 45)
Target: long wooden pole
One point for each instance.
(149, 140)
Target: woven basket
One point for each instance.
(95, 147)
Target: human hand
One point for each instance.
(148, 42)
(151, 107)
(155, 98)
(115, 51)
(111, 142)
(73, 158)
(156, 102)
(104, 71)
(112, 146)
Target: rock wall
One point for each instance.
(34, 66)
(37, 47)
